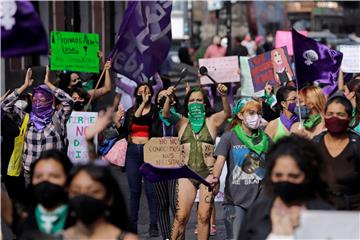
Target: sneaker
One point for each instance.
(153, 230)
(213, 230)
(195, 231)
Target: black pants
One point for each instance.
(166, 198)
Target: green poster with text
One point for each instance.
(74, 51)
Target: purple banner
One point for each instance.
(22, 32)
(143, 40)
(315, 63)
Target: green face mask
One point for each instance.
(196, 116)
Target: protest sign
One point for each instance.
(272, 67)
(74, 51)
(350, 62)
(247, 88)
(284, 38)
(163, 152)
(76, 127)
(223, 69)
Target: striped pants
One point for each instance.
(166, 197)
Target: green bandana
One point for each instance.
(258, 143)
(269, 99)
(51, 222)
(167, 121)
(196, 116)
(312, 121)
(239, 104)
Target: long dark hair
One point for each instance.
(118, 213)
(281, 95)
(176, 106)
(208, 110)
(136, 105)
(307, 157)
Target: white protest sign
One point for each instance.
(223, 69)
(76, 127)
(247, 87)
(351, 58)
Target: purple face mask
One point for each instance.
(291, 107)
(42, 111)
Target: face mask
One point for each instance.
(162, 101)
(48, 194)
(291, 192)
(304, 111)
(21, 104)
(291, 107)
(253, 121)
(336, 125)
(196, 114)
(88, 209)
(78, 106)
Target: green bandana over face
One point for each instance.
(196, 116)
(51, 222)
(258, 142)
(312, 121)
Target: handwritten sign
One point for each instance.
(163, 152)
(223, 69)
(74, 51)
(247, 88)
(76, 127)
(284, 38)
(272, 67)
(351, 58)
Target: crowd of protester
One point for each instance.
(288, 151)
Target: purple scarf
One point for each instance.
(42, 111)
(158, 174)
(288, 122)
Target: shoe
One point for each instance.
(153, 230)
(195, 231)
(213, 230)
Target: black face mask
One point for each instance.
(139, 99)
(291, 192)
(49, 195)
(88, 209)
(78, 106)
(161, 102)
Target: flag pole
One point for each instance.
(97, 85)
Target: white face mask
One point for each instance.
(21, 104)
(253, 121)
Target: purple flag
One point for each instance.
(156, 174)
(315, 63)
(22, 32)
(143, 40)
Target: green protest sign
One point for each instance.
(74, 51)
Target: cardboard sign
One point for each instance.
(74, 51)
(223, 70)
(247, 88)
(76, 127)
(272, 67)
(284, 38)
(351, 58)
(163, 152)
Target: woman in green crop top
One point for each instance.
(286, 98)
(197, 132)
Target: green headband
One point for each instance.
(239, 104)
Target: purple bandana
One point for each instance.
(288, 122)
(156, 174)
(42, 111)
